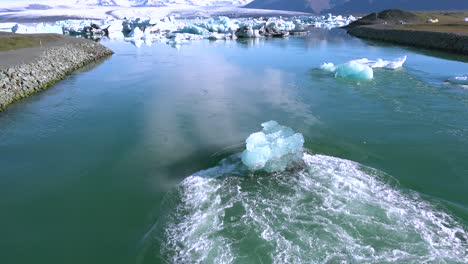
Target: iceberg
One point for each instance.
(150, 28)
(136, 33)
(192, 29)
(219, 25)
(354, 70)
(361, 69)
(330, 67)
(273, 149)
(460, 80)
(379, 63)
(7, 27)
(36, 28)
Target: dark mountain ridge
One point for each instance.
(358, 6)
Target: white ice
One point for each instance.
(156, 23)
(328, 66)
(461, 80)
(273, 149)
(379, 63)
(361, 69)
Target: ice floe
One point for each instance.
(273, 149)
(459, 80)
(361, 69)
(379, 63)
(354, 70)
(328, 66)
(150, 29)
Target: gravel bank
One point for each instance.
(33, 69)
(448, 41)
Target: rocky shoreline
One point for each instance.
(51, 66)
(447, 41)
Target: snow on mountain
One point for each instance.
(141, 3)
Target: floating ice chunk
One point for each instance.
(219, 25)
(137, 42)
(466, 19)
(218, 36)
(136, 33)
(273, 149)
(361, 69)
(280, 24)
(328, 67)
(118, 35)
(461, 80)
(354, 70)
(115, 26)
(36, 28)
(182, 38)
(192, 29)
(7, 27)
(379, 63)
(129, 25)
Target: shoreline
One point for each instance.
(445, 41)
(437, 30)
(29, 70)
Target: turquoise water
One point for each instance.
(104, 167)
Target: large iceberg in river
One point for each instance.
(273, 149)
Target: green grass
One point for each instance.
(449, 21)
(445, 17)
(17, 41)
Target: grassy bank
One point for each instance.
(450, 33)
(31, 63)
(11, 41)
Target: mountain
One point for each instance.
(369, 6)
(313, 6)
(140, 3)
(357, 6)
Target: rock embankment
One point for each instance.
(447, 41)
(449, 33)
(51, 66)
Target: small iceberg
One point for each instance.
(273, 149)
(354, 70)
(460, 80)
(361, 69)
(379, 63)
(328, 66)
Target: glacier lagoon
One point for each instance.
(136, 159)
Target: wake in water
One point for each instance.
(328, 210)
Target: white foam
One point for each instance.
(333, 210)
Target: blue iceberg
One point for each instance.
(273, 149)
(354, 70)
